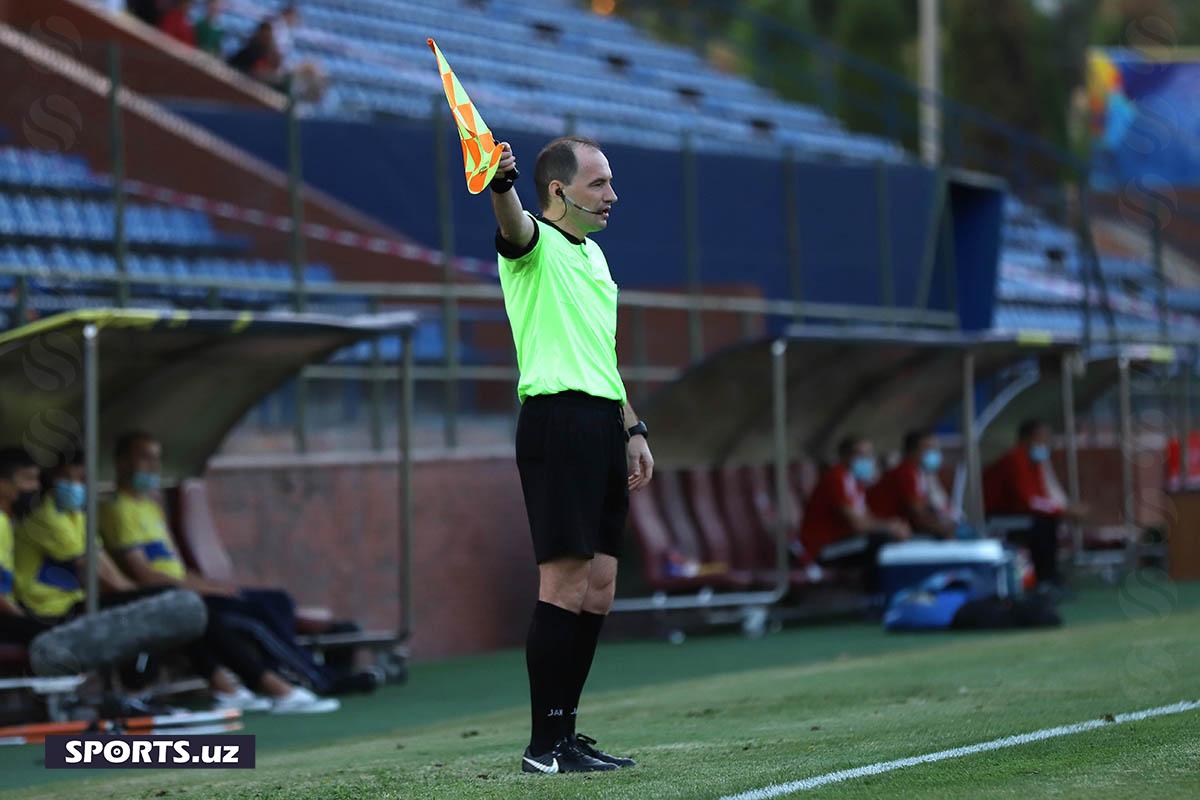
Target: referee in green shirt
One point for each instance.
(580, 448)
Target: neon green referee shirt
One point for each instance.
(562, 304)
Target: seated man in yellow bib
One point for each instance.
(51, 548)
(134, 530)
(18, 486)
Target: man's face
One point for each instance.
(22, 480)
(591, 188)
(76, 473)
(26, 480)
(1041, 436)
(863, 449)
(144, 456)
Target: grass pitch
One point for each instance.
(720, 715)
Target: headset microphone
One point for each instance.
(564, 196)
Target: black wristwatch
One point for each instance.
(638, 430)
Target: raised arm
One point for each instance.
(515, 225)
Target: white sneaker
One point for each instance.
(242, 699)
(302, 701)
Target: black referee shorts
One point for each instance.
(571, 456)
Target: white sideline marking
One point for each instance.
(781, 789)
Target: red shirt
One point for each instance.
(901, 487)
(824, 518)
(1014, 484)
(175, 23)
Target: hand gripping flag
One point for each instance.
(481, 155)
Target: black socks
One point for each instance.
(550, 659)
(558, 655)
(587, 633)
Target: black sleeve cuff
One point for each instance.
(511, 251)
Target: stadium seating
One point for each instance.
(612, 81)
(1042, 280)
(603, 74)
(599, 73)
(56, 217)
(713, 528)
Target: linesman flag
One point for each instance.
(481, 155)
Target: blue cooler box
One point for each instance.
(906, 564)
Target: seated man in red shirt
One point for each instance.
(907, 491)
(838, 528)
(1021, 483)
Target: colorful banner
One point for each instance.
(1144, 118)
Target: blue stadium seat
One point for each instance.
(318, 273)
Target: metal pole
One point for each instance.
(828, 83)
(931, 81)
(887, 284)
(375, 387)
(1186, 421)
(1085, 268)
(932, 232)
(21, 306)
(974, 504)
(1066, 365)
(116, 139)
(786, 513)
(406, 489)
(449, 300)
(691, 236)
(296, 200)
(641, 354)
(91, 445)
(749, 317)
(299, 298)
(791, 222)
(300, 424)
(946, 237)
(1159, 270)
(1126, 434)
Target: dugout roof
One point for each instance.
(1040, 396)
(186, 376)
(876, 382)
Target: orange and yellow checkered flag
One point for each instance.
(481, 155)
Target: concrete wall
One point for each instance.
(328, 532)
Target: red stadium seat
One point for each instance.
(675, 511)
(197, 533)
(202, 549)
(703, 502)
(658, 548)
(746, 537)
(741, 489)
(761, 485)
